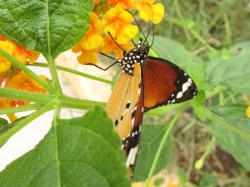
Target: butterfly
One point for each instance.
(144, 83)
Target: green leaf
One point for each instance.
(163, 109)
(5, 126)
(49, 27)
(149, 142)
(233, 73)
(182, 175)
(82, 151)
(207, 181)
(238, 146)
(199, 99)
(159, 181)
(176, 53)
(241, 47)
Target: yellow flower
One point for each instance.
(20, 53)
(109, 46)
(148, 11)
(88, 56)
(117, 21)
(90, 43)
(123, 3)
(248, 112)
(5, 64)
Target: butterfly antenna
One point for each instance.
(145, 38)
(104, 69)
(123, 50)
(137, 25)
(107, 56)
(153, 36)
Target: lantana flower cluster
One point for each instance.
(116, 20)
(12, 77)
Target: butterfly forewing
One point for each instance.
(133, 140)
(123, 101)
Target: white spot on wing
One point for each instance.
(131, 156)
(184, 88)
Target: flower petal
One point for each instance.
(248, 112)
(88, 56)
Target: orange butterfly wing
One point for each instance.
(165, 84)
(124, 107)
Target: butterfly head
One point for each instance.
(137, 55)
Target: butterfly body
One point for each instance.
(144, 83)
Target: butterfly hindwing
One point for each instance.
(165, 83)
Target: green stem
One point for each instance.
(171, 124)
(22, 67)
(24, 108)
(4, 137)
(228, 30)
(198, 37)
(75, 72)
(67, 102)
(54, 75)
(199, 163)
(70, 102)
(222, 122)
(26, 96)
(50, 58)
(222, 9)
(181, 18)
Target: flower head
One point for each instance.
(117, 21)
(148, 11)
(26, 83)
(19, 52)
(90, 43)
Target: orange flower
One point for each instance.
(123, 3)
(26, 83)
(117, 22)
(248, 112)
(20, 53)
(5, 104)
(2, 38)
(109, 46)
(90, 43)
(148, 11)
